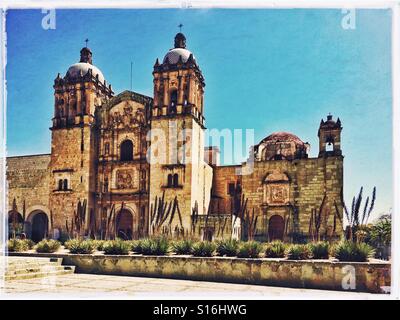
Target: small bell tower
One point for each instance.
(329, 137)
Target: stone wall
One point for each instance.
(223, 176)
(311, 274)
(28, 181)
(73, 154)
(308, 181)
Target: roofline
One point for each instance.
(131, 91)
(31, 155)
(228, 165)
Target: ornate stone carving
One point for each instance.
(278, 194)
(276, 188)
(124, 179)
(127, 118)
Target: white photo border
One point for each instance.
(198, 4)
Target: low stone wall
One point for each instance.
(315, 274)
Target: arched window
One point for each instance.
(169, 183)
(328, 146)
(174, 97)
(126, 150)
(175, 182)
(173, 101)
(329, 142)
(60, 184)
(107, 148)
(65, 184)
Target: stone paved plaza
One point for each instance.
(118, 287)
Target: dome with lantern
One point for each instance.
(281, 146)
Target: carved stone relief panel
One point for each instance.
(126, 114)
(124, 179)
(277, 194)
(276, 189)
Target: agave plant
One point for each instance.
(204, 249)
(117, 246)
(353, 252)
(249, 249)
(319, 250)
(228, 247)
(357, 217)
(162, 215)
(275, 249)
(182, 246)
(158, 246)
(299, 252)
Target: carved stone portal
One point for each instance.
(124, 179)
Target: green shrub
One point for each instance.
(48, 246)
(275, 249)
(158, 246)
(182, 247)
(17, 245)
(249, 249)
(77, 246)
(30, 243)
(227, 248)
(203, 249)
(68, 243)
(298, 252)
(135, 246)
(98, 244)
(353, 252)
(319, 250)
(116, 247)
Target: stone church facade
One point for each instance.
(140, 164)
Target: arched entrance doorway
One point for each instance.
(124, 224)
(276, 228)
(39, 226)
(15, 224)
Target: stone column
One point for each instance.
(180, 90)
(165, 80)
(78, 100)
(156, 88)
(190, 89)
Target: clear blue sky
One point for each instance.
(271, 70)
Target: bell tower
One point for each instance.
(178, 84)
(177, 133)
(329, 137)
(77, 95)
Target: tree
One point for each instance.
(380, 236)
